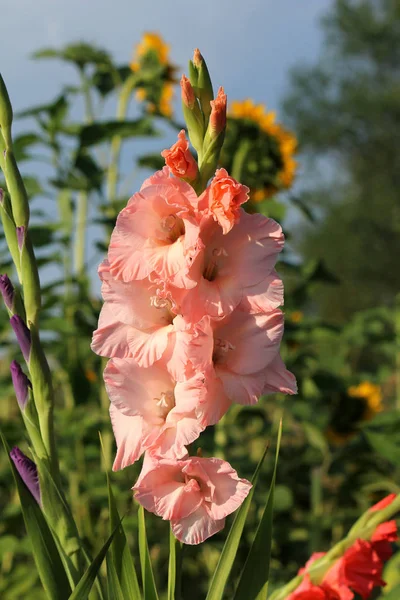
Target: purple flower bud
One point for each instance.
(23, 335)
(21, 384)
(28, 472)
(21, 236)
(7, 291)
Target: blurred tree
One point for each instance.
(346, 113)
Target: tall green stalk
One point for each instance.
(116, 142)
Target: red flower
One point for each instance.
(308, 591)
(383, 503)
(361, 568)
(382, 539)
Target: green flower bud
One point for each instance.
(192, 114)
(6, 113)
(203, 85)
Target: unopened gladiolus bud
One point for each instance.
(6, 113)
(21, 384)
(23, 335)
(21, 231)
(7, 291)
(193, 115)
(27, 471)
(218, 113)
(180, 160)
(214, 138)
(188, 97)
(203, 85)
(197, 58)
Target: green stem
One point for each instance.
(174, 568)
(239, 159)
(316, 508)
(80, 240)
(397, 338)
(116, 142)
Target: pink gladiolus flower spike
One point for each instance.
(195, 494)
(157, 232)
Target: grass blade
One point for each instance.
(44, 548)
(113, 585)
(174, 568)
(149, 585)
(231, 545)
(120, 553)
(253, 583)
(82, 590)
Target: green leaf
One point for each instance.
(121, 557)
(231, 545)
(174, 568)
(149, 585)
(253, 583)
(394, 594)
(382, 435)
(101, 132)
(113, 586)
(82, 590)
(80, 54)
(47, 558)
(106, 79)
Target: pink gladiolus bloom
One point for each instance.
(157, 232)
(158, 413)
(233, 268)
(239, 356)
(224, 196)
(195, 494)
(180, 160)
(135, 321)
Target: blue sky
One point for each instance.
(249, 45)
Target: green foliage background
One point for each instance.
(342, 303)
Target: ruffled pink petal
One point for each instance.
(263, 297)
(163, 491)
(278, 378)
(251, 247)
(215, 402)
(214, 298)
(197, 527)
(135, 226)
(148, 347)
(135, 390)
(229, 491)
(253, 340)
(111, 340)
(128, 435)
(179, 431)
(242, 389)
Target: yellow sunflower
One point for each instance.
(286, 141)
(151, 42)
